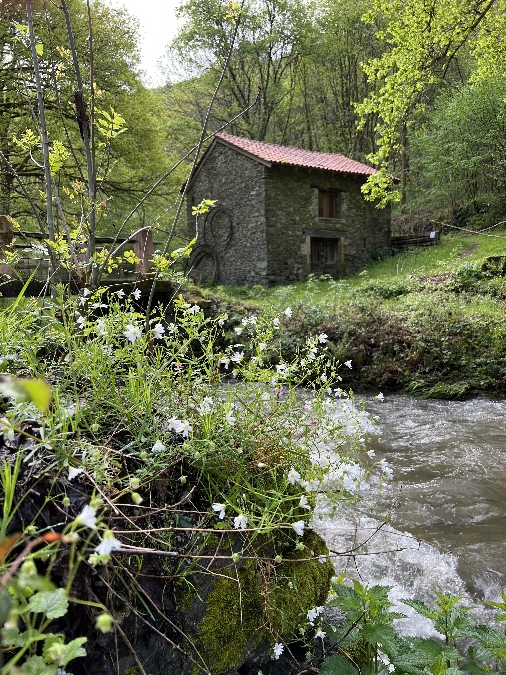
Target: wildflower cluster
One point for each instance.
(179, 452)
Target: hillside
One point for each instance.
(429, 322)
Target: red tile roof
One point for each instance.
(281, 154)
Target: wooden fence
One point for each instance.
(33, 258)
(404, 241)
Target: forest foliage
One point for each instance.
(415, 88)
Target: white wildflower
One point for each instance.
(293, 476)
(194, 310)
(205, 406)
(158, 330)
(278, 649)
(371, 453)
(74, 471)
(109, 543)
(281, 369)
(275, 323)
(288, 312)
(238, 330)
(299, 528)
(132, 332)
(137, 294)
(320, 634)
(323, 338)
(348, 364)
(240, 522)
(120, 293)
(380, 396)
(237, 357)
(158, 447)
(304, 502)
(230, 419)
(262, 346)
(80, 321)
(225, 361)
(87, 517)
(184, 428)
(221, 508)
(174, 423)
(100, 327)
(314, 614)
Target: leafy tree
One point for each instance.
(273, 35)
(459, 155)
(127, 162)
(331, 80)
(424, 38)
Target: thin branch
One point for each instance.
(197, 154)
(43, 127)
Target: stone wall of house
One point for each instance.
(234, 231)
(292, 219)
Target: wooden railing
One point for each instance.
(414, 240)
(34, 260)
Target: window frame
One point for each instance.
(327, 204)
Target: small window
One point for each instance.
(327, 204)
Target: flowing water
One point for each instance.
(447, 501)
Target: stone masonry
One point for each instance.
(266, 227)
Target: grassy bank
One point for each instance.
(431, 322)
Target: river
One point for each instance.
(446, 502)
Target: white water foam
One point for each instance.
(393, 557)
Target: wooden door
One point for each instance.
(325, 256)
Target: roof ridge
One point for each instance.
(285, 154)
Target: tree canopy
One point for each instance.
(127, 163)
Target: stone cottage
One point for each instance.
(281, 214)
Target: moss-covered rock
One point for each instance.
(300, 585)
(230, 628)
(262, 604)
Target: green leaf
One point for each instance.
(421, 608)
(454, 623)
(337, 665)
(480, 654)
(74, 650)
(492, 640)
(415, 654)
(384, 635)
(51, 603)
(36, 391)
(21, 28)
(5, 607)
(13, 638)
(56, 650)
(453, 671)
(36, 665)
(39, 48)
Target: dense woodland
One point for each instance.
(414, 88)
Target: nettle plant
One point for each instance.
(159, 440)
(368, 642)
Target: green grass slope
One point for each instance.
(429, 321)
